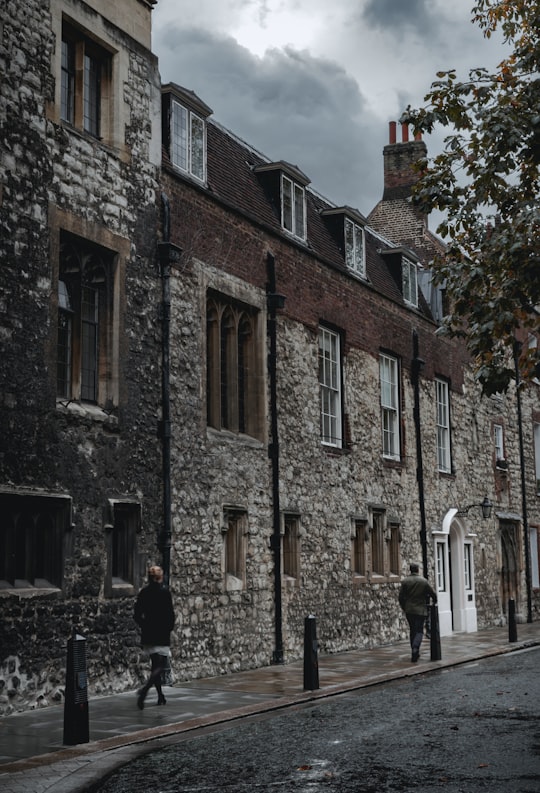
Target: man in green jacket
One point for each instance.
(414, 595)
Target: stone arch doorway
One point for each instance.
(454, 567)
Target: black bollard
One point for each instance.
(435, 636)
(512, 625)
(76, 695)
(311, 663)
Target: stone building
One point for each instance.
(80, 462)
(208, 364)
(323, 433)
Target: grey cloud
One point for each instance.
(289, 105)
(395, 15)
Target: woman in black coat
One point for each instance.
(155, 616)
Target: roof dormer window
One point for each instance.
(293, 207)
(355, 257)
(409, 280)
(184, 130)
(404, 269)
(346, 225)
(188, 141)
(285, 185)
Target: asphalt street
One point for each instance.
(464, 729)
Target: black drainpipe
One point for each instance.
(526, 539)
(274, 301)
(417, 364)
(167, 253)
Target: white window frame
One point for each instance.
(355, 249)
(409, 280)
(293, 211)
(467, 565)
(330, 387)
(440, 565)
(498, 441)
(442, 406)
(188, 132)
(390, 412)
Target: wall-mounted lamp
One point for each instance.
(486, 506)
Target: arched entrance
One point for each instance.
(454, 566)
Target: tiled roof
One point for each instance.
(234, 176)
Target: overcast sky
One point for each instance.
(315, 82)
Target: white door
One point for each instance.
(454, 570)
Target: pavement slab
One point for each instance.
(33, 757)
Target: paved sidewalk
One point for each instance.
(34, 760)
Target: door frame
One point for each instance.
(455, 583)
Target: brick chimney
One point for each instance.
(399, 175)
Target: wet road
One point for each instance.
(462, 730)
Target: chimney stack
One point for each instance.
(399, 159)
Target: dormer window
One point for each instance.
(293, 207)
(184, 133)
(346, 225)
(285, 185)
(403, 266)
(409, 282)
(188, 141)
(355, 248)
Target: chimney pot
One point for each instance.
(405, 133)
(392, 125)
(418, 136)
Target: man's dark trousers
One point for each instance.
(416, 631)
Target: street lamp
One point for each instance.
(486, 506)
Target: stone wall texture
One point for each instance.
(56, 178)
(326, 488)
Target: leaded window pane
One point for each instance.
(179, 138)
(91, 95)
(287, 204)
(67, 90)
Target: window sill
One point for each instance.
(358, 275)
(292, 236)
(359, 580)
(290, 582)
(190, 177)
(392, 462)
(233, 584)
(226, 436)
(446, 474)
(375, 578)
(111, 148)
(335, 451)
(27, 590)
(120, 590)
(86, 410)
